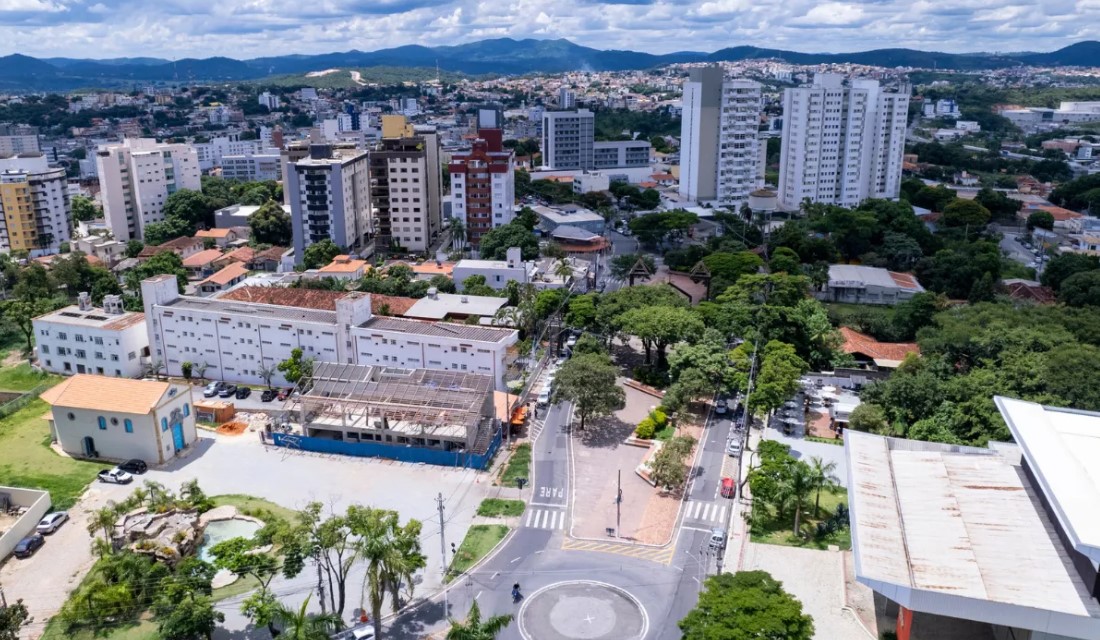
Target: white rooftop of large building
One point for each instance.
(851, 275)
(93, 317)
(961, 531)
(568, 214)
(445, 304)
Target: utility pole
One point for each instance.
(443, 554)
(3, 600)
(320, 579)
(619, 506)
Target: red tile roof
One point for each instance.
(904, 280)
(856, 342)
(226, 275)
(1024, 291)
(320, 299)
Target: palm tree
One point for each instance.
(474, 628)
(104, 520)
(458, 233)
(823, 478)
(299, 625)
(154, 368)
(563, 269)
(795, 488)
(393, 556)
(200, 369)
(267, 372)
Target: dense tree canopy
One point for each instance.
(747, 605)
(271, 225)
(496, 242)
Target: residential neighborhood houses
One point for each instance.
(614, 343)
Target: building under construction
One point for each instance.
(443, 410)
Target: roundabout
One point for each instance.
(582, 610)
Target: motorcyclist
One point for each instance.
(515, 593)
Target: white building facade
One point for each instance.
(137, 176)
(238, 340)
(329, 198)
(483, 182)
(568, 138)
(841, 144)
(18, 138)
(721, 154)
(80, 338)
(34, 205)
(252, 168)
(406, 196)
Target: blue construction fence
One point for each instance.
(404, 453)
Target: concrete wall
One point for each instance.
(38, 503)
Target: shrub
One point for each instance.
(660, 418)
(645, 429)
(651, 376)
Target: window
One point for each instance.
(164, 424)
(102, 423)
(128, 425)
(186, 409)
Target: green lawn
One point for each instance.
(241, 586)
(23, 378)
(778, 531)
(518, 467)
(496, 507)
(253, 506)
(139, 630)
(479, 540)
(26, 459)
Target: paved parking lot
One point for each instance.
(241, 464)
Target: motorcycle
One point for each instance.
(516, 595)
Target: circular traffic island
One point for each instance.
(582, 610)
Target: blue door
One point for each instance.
(177, 436)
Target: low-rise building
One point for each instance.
(573, 215)
(184, 247)
(105, 248)
(236, 215)
(80, 338)
(497, 273)
(119, 419)
(239, 339)
(202, 263)
(456, 307)
(344, 267)
(223, 237)
(228, 276)
(857, 284)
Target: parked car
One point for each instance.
(228, 391)
(717, 538)
(721, 407)
(52, 522)
(212, 389)
(285, 393)
(134, 466)
(268, 395)
(733, 447)
(115, 476)
(728, 489)
(544, 397)
(571, 342)
(243, 392)
(27, 546)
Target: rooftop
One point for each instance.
(274, 312)
(343, 264)
(213, 233)
(102, 393)
(72, 315)
(445, 304)
(201, 258)
(227, 274)
(883, 353)
(850, 275)
(320, 299)
(567, 215)
(960, 531)
(442, 329)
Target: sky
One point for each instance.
(253, 28)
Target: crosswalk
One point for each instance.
(553, 519)
(707, 511)
(535, 427)
(662, 555)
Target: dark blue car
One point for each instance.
(27, 546)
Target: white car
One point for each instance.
(544, 397)
(52, 522)
(721, 407)
(733, 447)
(115, 476)
(571, 342)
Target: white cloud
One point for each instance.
(31, 6)
(832, 13)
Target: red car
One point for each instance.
(285, 393)
(728, 488)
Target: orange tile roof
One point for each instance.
(1025, 291)
(244, 254)
(343, 264)
(227, 274)
(856, 342)
(430, 268)
(1060, 214)
(647, 184)
(904, 280)
(102, 393)
(213, 233)
(180, 243)
(201, 259)
(320, 299)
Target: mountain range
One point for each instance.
(20, 73)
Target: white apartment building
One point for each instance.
(269, 100)
(18, 138)
(568, 138)
(80, 338)
(212, 154)
(240, 339)
(137, 176)
(34, 205)
(406, 195)
(619, 154)
(841, 144)
(329, 197)
(483, 184)
(567, 99)
(264, 166)
(497, 273)
(721, 155)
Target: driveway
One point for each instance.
(242, 464)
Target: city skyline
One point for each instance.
(246, 29)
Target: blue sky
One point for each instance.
(253, 28)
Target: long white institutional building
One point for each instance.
(238, 339)
(841, 144)
(721, 155)
(1000, 542)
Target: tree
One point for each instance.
(822, 478)
(474, 628)
(1040, 220)
(296, 367)
(1000, 206)
(776, 378)
(189, 208)
(582, 311)
(163, 263)
(320, 253)
(795, 488)
(652, 229)
(297, 624)
(392, 554)
(746, 605)
(1064, 265)
(966, 213)
(458, 233)
(475, 286)
(21, 313)
(495, 243)
(589, 381)
(668, 469)
(868, 417)
(659, 326)
(700, 369)
(242, 556)
(185, 369)
(330, 542)
(85, 209)
(727, 268)
(13, 617)
(183, 607)
(267, 372)
(271, 225)
(1081, 289)
(157, 233)
(785, 259)
(133, 248)
(621, 265)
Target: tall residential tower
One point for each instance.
(137, 176)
